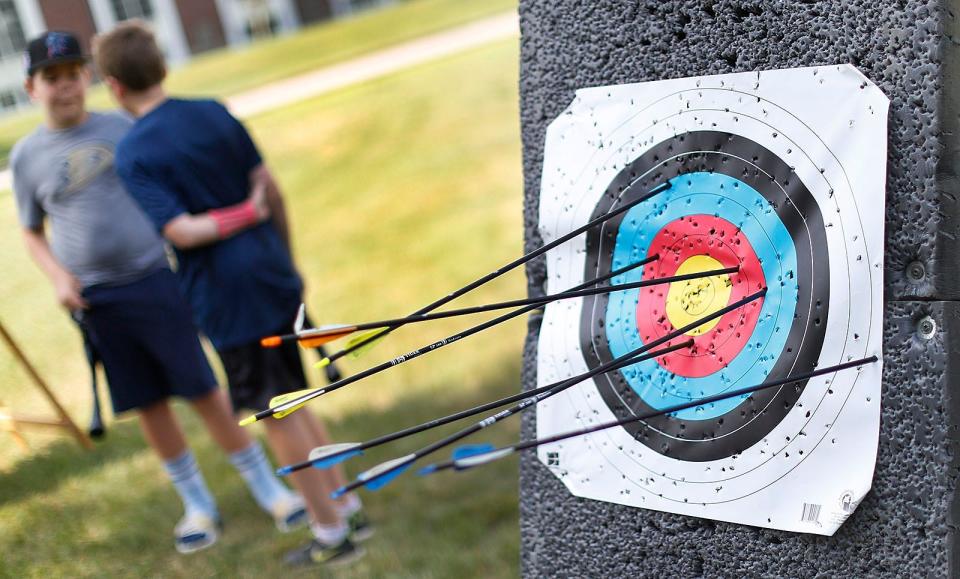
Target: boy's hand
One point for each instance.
(258, 197)
(67, 288)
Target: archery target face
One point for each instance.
(780, 174)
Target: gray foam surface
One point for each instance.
(906, 524)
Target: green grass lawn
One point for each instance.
(226, 72)
(400, 190)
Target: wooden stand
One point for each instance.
(12, 423)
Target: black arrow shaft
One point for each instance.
(537, 301)
(563, 386)
(520, 261)
(477, 409)
(708, 400)
(626, 360)
(532, 400)
(436, 345)
(677, 408)
(534, 397)
(441, 343)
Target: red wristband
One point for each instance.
(233, 219)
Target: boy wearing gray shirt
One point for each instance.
(108, 263)
(102, 236)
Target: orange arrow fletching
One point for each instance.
(312, 343)
(320, 336)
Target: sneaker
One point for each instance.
(316, 553)
(289, 513)
(361, 528)
(196, 531)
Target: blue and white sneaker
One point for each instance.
(290, 513)
(196, 531)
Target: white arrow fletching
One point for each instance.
(301, 318)
(321, 330)
(325, 451)
(384, 466)
(483, 458)
(296, 403)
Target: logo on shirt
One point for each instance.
(81, 166)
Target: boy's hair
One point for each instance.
(130, 54)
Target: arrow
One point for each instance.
(315, 337)
(327, 456)
(477, 458)
(286, 404)
(359, 345)
(513, 264)
(532, 401)
(382, 474)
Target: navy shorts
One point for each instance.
(257, 374)
(147, 342)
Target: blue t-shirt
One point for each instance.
(191, 156)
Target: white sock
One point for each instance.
(351, 504)
(188, 480)
(253, 466)
(330, 535)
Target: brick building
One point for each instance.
(184, 27)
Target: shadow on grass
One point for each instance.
(46, 469)
(445, 525)
(413, 409)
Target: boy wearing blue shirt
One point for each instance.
(190, 165)
(107, 265)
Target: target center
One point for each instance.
(690, 300)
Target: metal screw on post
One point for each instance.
(927, 328)
(916, 272)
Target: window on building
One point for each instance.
(12, 41)
(345, 7)
(126, 9)
(365, 4)
(8, 100)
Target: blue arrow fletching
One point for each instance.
(335, 460)
(327, 456)
(468, 450)
(386, 478)
(429, 469)
(383, 474)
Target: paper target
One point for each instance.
(780, 173)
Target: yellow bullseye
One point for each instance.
(687, 301)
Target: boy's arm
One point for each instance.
(66, 286)
(188, 231)
(181, 228)
(31, 216)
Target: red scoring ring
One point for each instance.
(676, 242)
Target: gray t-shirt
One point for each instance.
(98, 232)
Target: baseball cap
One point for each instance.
(52, 48)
